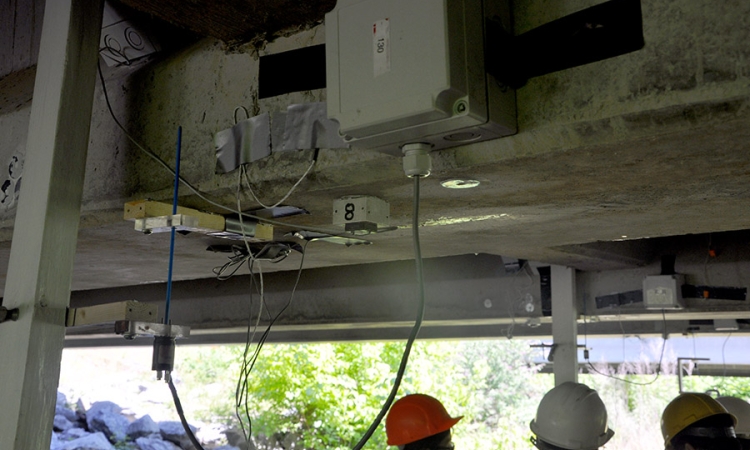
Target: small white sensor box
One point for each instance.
(663, 292)
(361, 213)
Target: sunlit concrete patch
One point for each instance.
(443, 221)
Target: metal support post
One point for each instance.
(46, 223)
(564, 326)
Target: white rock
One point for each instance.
(155, 444)
(60, 423)
(174, 431)
(142, 427)
(105, 417)
(73, 433)
(96, 441)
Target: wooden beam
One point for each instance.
(141, 209)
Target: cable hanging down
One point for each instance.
(242, 408)
(249, 364)
(420, 159)
(415, 329)
(241, 397)
(181, 413)
(658, 367)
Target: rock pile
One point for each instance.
(103, 427)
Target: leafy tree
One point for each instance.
(724, 386)
(328, 394)
(324, 394)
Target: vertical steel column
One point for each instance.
(564, 325)
(46, 223)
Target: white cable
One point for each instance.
(244, 373)
(243, 171)
(195, 190)
(250, 255)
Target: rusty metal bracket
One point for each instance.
(8, 314)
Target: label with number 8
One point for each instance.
(349, 211)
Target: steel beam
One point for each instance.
(564, 324)
(469, 296)
(46, 224)
(468, 290)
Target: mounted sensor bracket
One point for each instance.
(164, 336)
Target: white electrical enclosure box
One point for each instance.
(663, 292)
(406, 71)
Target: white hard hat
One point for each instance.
(741, 410)
(572, 416)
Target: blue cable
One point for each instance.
(174, 211)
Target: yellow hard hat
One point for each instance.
(685, 410)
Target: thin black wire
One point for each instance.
(415, 328)
(658, 367)
(238, 258)
(708, 258)
(195, 190)
(181, 413)
(115, 52)
(241, 395)
(264, 336)
(241, 390)
(724, 360)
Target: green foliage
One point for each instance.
(326, 395)
(209, 373)
(634, 407)
(724, 386)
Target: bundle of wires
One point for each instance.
(249, 359)
(203, 196)
(242, 408)
(235, 262)
(593, 369)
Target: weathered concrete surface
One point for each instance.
(649, 144)
(20, 34)
(236, 20)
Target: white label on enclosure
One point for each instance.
(381, 47)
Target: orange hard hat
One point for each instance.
(416, 417)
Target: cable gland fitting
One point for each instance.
(417, 160)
